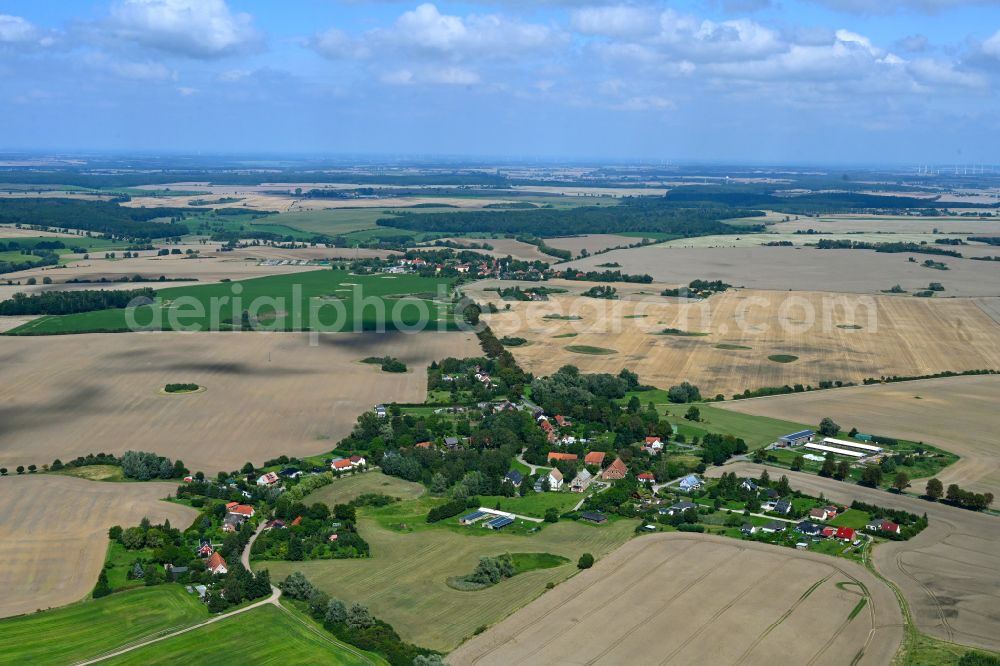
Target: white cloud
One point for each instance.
(429, 32)
(185, 91)
(194, 28)
(645, 103)
(616, 21)
(942, 74)
(431, 75)
(17, 30)
(336, 44)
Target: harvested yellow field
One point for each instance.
(54, 534)
(814, 335)
(803, 269)
(890, 224)
(591, 242)
(208, 268)
(10, 231)
(958, 414)
(687, 599)
(266, 394)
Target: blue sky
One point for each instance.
(763, 81)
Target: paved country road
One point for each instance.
(947, 573)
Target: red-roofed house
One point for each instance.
(341, 465)
(423, 445)
(845, 533)
(297, 521)
(554, 455)
(616, 470)
(820, 514)
(563, 421)
(646, 477)
(357, 461)
(653, 445)
(268, 479)
(594, 458)
(240, 509)
(545, 425)
(829, 532)
(217, 565)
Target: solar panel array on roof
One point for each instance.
(474, 516)
(802, 434)
(499, 523)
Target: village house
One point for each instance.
(679, 507)
(820, 514)
(647, 477)
(514, 478)
(581, 482)
(380, 411)
(595, 458)
(562, 421)
(341, 465)
(217, 565)
(615, 471)
(845, 534)
(653, 446)
(773, 526)
(883, 525)
(555, 479)
(268, 479)
(690, 483)
(235, 508)
(749, 485)
(555, 455)
(784, 507)
(357, 461)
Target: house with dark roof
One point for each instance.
(883, 525)
(679, 507)
(451, 442)
(784, 507)
(809, 528)
(593, 517)
(514, 478)
(749, 485)
(748, 529)
(774, 526)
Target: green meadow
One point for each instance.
(327, 300)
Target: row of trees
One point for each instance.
(355, 624)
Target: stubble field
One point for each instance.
(803, 269)
(732, 337)
(682, 599)
(404, 581)
(947, 572)
(267, 394)
(958, 414)
(54, 533)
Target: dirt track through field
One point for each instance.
(267, 394)
(948, 572)
(835, 337)
(680, 599)
(54, 533)
(959, 414)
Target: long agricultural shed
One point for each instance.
(833, 449)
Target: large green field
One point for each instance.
(264, 635)
(250, 223)
(94, 627)
(339, 302)
(405, 580)
(86, 242)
